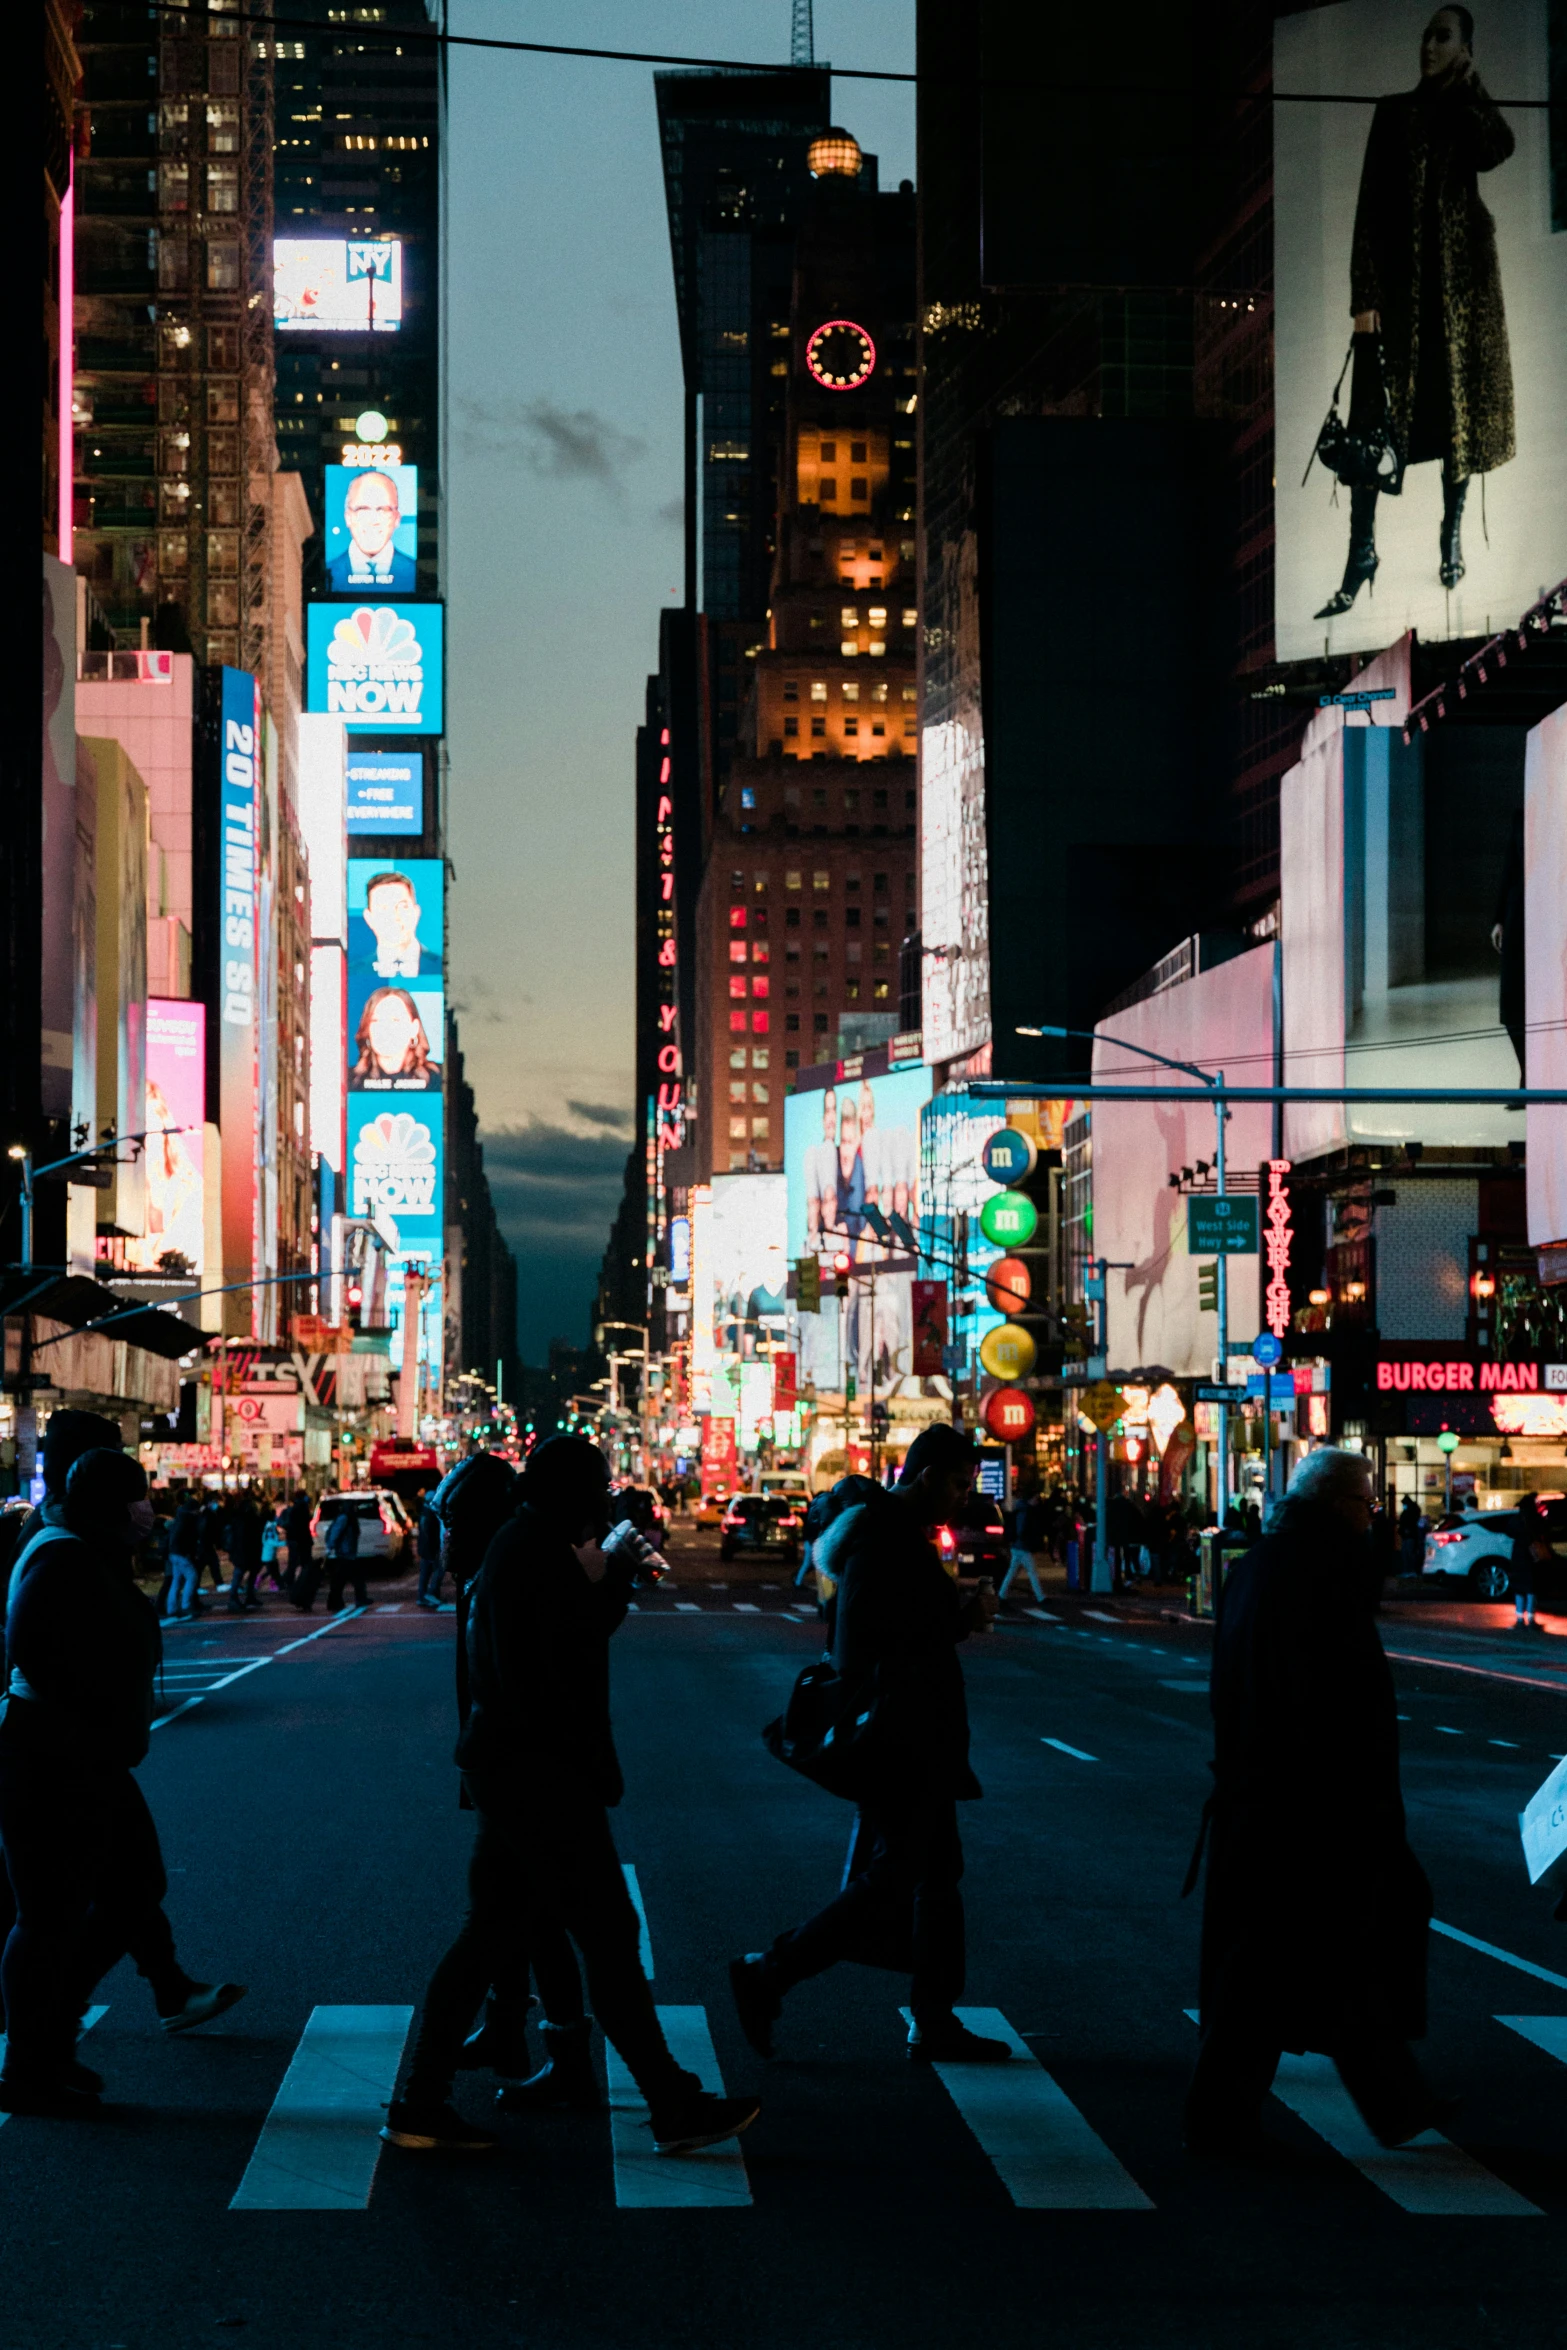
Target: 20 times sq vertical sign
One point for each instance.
(238, 827)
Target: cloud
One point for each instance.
(673, 511)
(601, 1114)
(555, 1195)
(559, 444)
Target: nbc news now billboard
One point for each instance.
(378, 667)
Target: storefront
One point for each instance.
(1510, 1419)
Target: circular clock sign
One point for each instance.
(840, 355)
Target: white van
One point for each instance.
(792, 1482)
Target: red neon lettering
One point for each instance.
(663, 771)
(1436, 1376)
(669, 1098)
(666, 953)
(666, 809)
(666, 887)
(669, 1059)
(1490, 1376)
(666, 1017)
(1384, 1377)
(1466, 1375)
(1276, 1243)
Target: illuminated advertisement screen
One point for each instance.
(386, 792)
(240, 725)
(745, 1267)
(1432, 221)
(846, 1147)
(372, 529)
(337, 285)
(175, 1238)
(378, 667)
(395, 1039)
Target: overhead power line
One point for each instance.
(406, 35)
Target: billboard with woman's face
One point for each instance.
(1420, 248)
(852, 1146)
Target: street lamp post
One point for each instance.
(1214, 1080)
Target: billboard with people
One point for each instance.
(1420, 267)
(174, 1239)
(372, 528)
(395, 1048)
(851, 1157)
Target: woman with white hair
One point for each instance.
(1315, 1911)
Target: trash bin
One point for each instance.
(1218, 1547)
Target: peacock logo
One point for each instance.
(375, 666)
(394, 1166)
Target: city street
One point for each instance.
(308, 1810)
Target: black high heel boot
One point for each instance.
(1453, 495)
(1360, 565)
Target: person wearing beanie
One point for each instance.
(539, 1763)
(81, 1654)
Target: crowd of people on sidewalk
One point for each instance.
(1315, 1909)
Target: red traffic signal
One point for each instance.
(841, 1265)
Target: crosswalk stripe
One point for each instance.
(745, 1607)
(1076, 1752)
(318, 2145)
(687, 1607)
(645, 2181)
(88, 2020)
(1044, 2152)
(1546, 2031)
(1431, 2175)
(391, 1607)
(644, 1938)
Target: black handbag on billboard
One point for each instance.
(827, 1736)
(1366, 459)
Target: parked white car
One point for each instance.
(385, 1528)
(1479, 1553)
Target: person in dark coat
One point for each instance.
(296, 1532)
(242, 1541)
(431, 1571)
(81, 1850)
(1531, 1551)
(1426, 292)
(342, 1554)
(897, 1624)
(538, 1757)
(1315, 1911)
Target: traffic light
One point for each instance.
(808, 1285)
(840, 1265)
(1208, 1289)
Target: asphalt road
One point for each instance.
(308, 1810)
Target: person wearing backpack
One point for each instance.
(896, 1622)
(342, 1550)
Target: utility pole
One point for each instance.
(1101, 1578)
(1222, 1291)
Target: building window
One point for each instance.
(818, 689)
(737, 1057)
(851, 726)
(761, 987)
(747, 795)
(829, 452)
(852, 883)
(818, 726)
(910, 616)
(819, 1023)
(737, 1130)
(174, 187)
(737, 950)
(792, 1060)
(851, 690)
(222, 268)
(851, 916)
(879, 884)
(760, 951)
(792, 879)
(736, 986)
(737, 1024)
(737, 1161)
(759, 1057)
(819, 797)
(737, 916)
(737, 1089)
(760, 1023)
(851, 798)
(792, 922)
(857, 451)
(223, 187)
(759, 1129)
(820, 880)
(851, 990)
(878, 731)
(879, 690)
(882, 991)
(791, 726)
(829, 489)
(853, 951)
(876, 647)
(879, 802)
(859, 487)
(849, 617)
(881, 951)
(819, 951)
(791, 1022)
(761, 891)
(791, 689)
(878, 616)
(850, 648)
(908, 693)
(759, 1093)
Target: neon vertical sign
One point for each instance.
(669, 1118)
(238, 871)
(1276, 1242)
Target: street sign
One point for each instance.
(1221, 1227)
(1008, 1220)
(1278, 1385)
(1101, 1403)
(1009, 1156)
(1266, 1349)
(1217, 1394)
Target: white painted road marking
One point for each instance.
(318, 2145)
(1443, 1731)
(1096, 1615)
(687, 1607)
(1545, 2031)
(1075, 1752)
(1430, 2176)
(644, 1938)
(249, 1665)
(1525, 1966)
(645, 2181)
(1045, 2154)
(745, 1607)
(88, 2020)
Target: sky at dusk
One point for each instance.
(563, 542)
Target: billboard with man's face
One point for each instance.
(1420, 246)
(372, 528)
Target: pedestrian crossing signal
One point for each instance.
(808, 1285)
(1208, 1289)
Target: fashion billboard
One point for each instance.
(1420, 261)
(174, 1239)
(378, 667)
(372, 529)
(851, 1146)
(386, 793)
(337, 285)
(744, 1272)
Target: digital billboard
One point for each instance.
(386, 793)
(395, 1040)
(1420, 250)
(174, 1238)
(238, 879)
(848, 1146)
(337, 285)
(378, 667)
(372, 529)
(396, 919)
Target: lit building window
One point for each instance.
(737, 916)
(851, 689)
(910, 616)
(849, 647)
(881, 991)
(818, 689)
(759, 1129)
(747, 795)
(849, 617)
(879, 690)
(736, 986)
(821, 880)
(737, 950)
(851, 989)
(878, 616)
(759, 1093)
(759, 1057)
(761, 891)
(737, 1089)
(908, 693)
(791, 881)
(876, 646)
(737, 1024)
(760, 951)
(737, 1057)
(737, 1130)
(761, 987)
(760, 1023)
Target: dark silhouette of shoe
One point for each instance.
(943, 2040)
(500, 2045)
(434, 2129)
(81, 2076)
(202, 2002)
(1360, 565)
(566, 2077)
(700, 2119)
(57, 2099)
(757, 2003)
